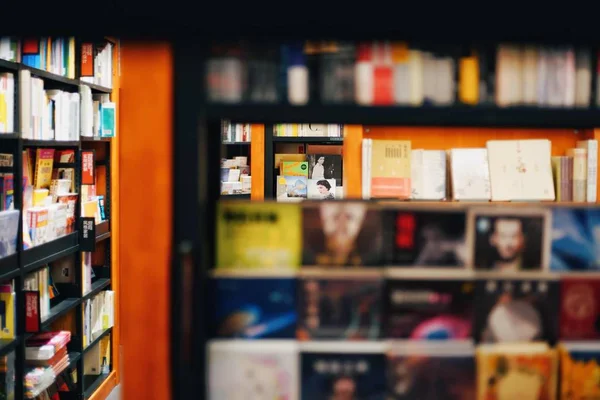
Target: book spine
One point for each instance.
(579, 173)
(592, 170)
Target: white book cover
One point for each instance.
(520, 170)
(428, 174)
(253, 370)
(470, 174)
(321, 189)
(592, 167)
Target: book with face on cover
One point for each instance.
(521, 170)
(431, 371)
(526, 371)
(426, 309)
(338, 370)
(325, 166)
(241, 370)
(516, 310)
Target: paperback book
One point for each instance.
(575, 243)
(579, 308)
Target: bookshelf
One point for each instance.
(66, 310)
(430, 127)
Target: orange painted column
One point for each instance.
(352, 153)
(257, 161)
(145, 138)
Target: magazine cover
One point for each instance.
(325, 166)
(575, 245)
(579, 370)
(342, 233)
(240, 370)
(291, 188)
(510, 310)
(258, 235)
(524, 372)
(357, 375)
(426, 371)
(321, 189)
(254, 308)
(510, 239)
(429, 309)
(334, 308)
(428, 238)
(579, 308)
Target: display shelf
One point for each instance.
(9, 267)
(236, 143)
(97, 339)
(50, 143)
(476, 116)
(59, 310)
(95, 139)
(10, 136)
(308, 139)
(8, 345)
(43, 254)
(93, 382)
(243, 196)
(96, 88)
(102, 231)
(97, 286)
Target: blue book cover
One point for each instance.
(355, 376)
(575, 246)
(255, 308)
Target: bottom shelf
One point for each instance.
(92, 382)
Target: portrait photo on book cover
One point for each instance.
(427, 238)
(342, 233)
(343, 376)
(325, 166)
(510, 240)
(511, 311)
(321, 189)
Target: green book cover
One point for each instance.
(294, 168)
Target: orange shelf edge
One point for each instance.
(105, 387)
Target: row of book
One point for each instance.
(401, 371)
(235, 133)
(59, 56)
(350, 307)
(98, 315)
(358, 234)
(235, 176)
(400, 73)
(308, 130)
(505, 170)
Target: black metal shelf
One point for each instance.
(95, 139)
(309, 139)
(97, 340)
(50, 143)
(96, 88)
(244, 196)
(8, 345)
(476, 116)
(9, 267)
(97, 287)
(102, 231)
(236, 143)
(73, 358)
(10, 136)
(59, 310)
(41, 255)
(92, 382)
(9, 65)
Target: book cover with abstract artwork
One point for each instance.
(575, 239)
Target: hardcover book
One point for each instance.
(431, 371)
(510, 240)
(258, 235)
(575, 244)
(343, 375)
(241, 370)
(516, 310)
(342, 233)
(254, 308)
(321, 189)
(428, 309)
(428, 238)
(345, 308)
(579, 308)
(292, 188)
(325, 166)
(294, 168)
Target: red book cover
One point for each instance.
(87, 167)
(580, 308)
(87, 60)
(31, 47)
(383, 76)
(32, 311)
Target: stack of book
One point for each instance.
(46, 357)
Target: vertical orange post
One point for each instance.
(146, 151)
(352, 152)
(257, 161)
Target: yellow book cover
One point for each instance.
(390, 169)
(279, 157)
(557, 175)
(506, 375)
(468, 86)
(294, 168)
(44, 159)
(105, 354)
(259, 235)
(7, 301)
(580, 372)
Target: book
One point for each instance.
(591, 147)
(325, 166)
(343, 233)
(419, 309)
(428, 174)
(335, 371)
(253, 371)
(579, 176)
(510, 239)
(470, 174)
(258, 235)
(339, 308)
(389, 169)
(579, 308)
(574, 239)
(579, 369)
(427, 238)
(292, 188)
(431, 371)
(294, 168)
(516, 310)
(254, 308)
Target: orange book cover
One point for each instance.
(390, 169)
(87, 167)
(44, 160)
(87, 59)
(64, 156)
